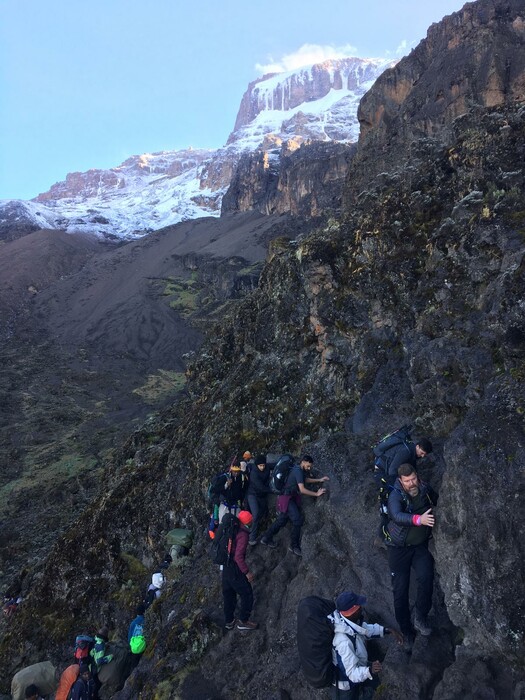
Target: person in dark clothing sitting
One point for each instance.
(258, 490)
(410, 507)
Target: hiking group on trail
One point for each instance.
(331, 639)
(407, 519)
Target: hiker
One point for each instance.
(136, 626)
(136, 639)
(98, 653)
(231, 488)
(155, 587)
(289, 504)
(247, 462)
(33, 693)
(237, 579)
(257, 497)
(68, 677)
(409, 529)
(355, 678)
(389, 454)
(84, 687)
(397, 449)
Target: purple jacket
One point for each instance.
(240, 545)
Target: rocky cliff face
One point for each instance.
(473, 57)
(410, 305)
(307, 181)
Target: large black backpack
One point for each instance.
(384, 450)
(280, 473)
(221, 549)
(315, 634)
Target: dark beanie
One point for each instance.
(260, 459)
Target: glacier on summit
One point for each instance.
(151, 191)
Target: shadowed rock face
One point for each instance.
(409, 307)
(473, 57)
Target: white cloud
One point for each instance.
(306, 55)
(403, 49)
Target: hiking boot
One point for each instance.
(268, 543)
(296, 551)
(422, 626)
(247, 625)
(230, 625)
(252, 543)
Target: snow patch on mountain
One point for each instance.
(151, 191)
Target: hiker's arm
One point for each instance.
(310, 480)
(307, 492)
(395, 510)
(345, 649)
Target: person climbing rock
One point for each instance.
(257, 497)
(84, 687)
(410, 507)
(389, 454)
(356, 678)
(154, 591)
(289, 504)
(136, 639)
(237, 579)
(136, 626)
(231, 488)
(98, 653)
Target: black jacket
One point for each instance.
(401, 454)
(236, 492)
(400, 512)
(259, 482)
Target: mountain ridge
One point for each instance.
(150, 191)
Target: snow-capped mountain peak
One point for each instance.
(153, 190)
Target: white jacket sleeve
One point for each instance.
(344, 647)
(373, 630)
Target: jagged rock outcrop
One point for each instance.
(307, 181)
(473, 57)
(410, 306)
(96, 182)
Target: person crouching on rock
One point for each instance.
(356, 678)
(237, 579)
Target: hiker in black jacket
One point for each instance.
(231, 488)
(258, 490)
(410, 509)
(405, 453)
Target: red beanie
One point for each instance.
(245, 517)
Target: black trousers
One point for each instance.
(401, 561)
(235, 583)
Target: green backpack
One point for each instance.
(137, 644)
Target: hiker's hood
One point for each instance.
(157, 580)
(341, 624)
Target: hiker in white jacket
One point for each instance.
(355, 675)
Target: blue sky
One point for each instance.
(88, 83)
